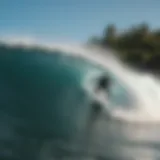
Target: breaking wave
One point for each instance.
(48, 93)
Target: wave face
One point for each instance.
(50, 107)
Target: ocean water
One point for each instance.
(50, 108)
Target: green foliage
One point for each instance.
(138, 45)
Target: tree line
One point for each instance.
(138, 45)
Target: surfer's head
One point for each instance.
(103, 83)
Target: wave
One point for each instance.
(48, 93)
(141, 89)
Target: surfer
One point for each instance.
(103, 84)
(97, 106)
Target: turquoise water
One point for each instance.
(42, 95)
(33, 85)
(46, 110)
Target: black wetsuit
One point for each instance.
(103, 84)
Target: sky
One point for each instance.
(73, 20)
